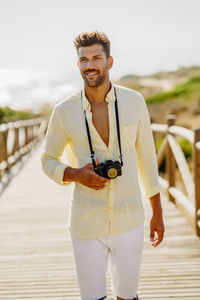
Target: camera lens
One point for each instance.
(111, 172)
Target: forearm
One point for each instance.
(156, 204)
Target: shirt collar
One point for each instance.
(110, 97)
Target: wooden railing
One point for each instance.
(17, 138)
(188, 202)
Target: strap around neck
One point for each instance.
(118, 132)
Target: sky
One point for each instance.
(146, 35)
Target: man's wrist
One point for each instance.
(71, 174)
(157, 212)
(156, 204)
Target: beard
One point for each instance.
(98, 80)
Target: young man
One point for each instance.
(106, 215)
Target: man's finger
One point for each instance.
(89, 166)
(100, 179)
(159, 238)
(152, 234)
(97, 187)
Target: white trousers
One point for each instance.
(123, 253)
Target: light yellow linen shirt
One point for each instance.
(118, 206)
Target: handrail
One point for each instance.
(174, 129)
(189, 204)
(17, 138)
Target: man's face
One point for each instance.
(94, 65)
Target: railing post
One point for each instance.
(151, 121)
(170, 161)
(16, 143)
(26, 128)
(196, 168)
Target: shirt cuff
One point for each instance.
(155, 189)
(59, 172)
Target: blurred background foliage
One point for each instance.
(9, 115)
(175, 92)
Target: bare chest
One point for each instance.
(100, 120)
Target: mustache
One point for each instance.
(91, 70)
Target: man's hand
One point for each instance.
(86, 176)
(157, 228)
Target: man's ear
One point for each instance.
(78, 64)
(110, 62)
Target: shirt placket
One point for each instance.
(108, 155)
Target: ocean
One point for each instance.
(30, 90)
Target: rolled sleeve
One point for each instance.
(55, 141)
(153, 190)
(146, 153)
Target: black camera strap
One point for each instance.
(118, 133)
(90, 142)
(118, 130)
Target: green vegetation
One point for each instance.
(9, 115)
(186, 146)
(158, 143)
(187, 91)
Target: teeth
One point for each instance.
(91, 73)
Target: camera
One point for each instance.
(109, 169)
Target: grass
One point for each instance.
(10, 115)
(188, 91)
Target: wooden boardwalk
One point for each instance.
(36, 259)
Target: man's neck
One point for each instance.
(98, 94)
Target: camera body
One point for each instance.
(109, 169)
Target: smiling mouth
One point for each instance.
(91, 73)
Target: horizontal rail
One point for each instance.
(183, 132)
(22, 123)
(159, 127)
(175, 130)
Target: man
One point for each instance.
(106, 215)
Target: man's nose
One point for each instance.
(90, 64)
